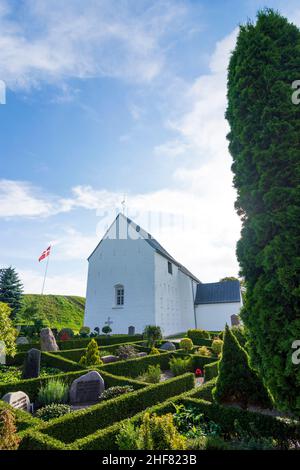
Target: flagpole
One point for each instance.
(45, 273)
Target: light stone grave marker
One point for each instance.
(18, 400)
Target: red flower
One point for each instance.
(198, 372)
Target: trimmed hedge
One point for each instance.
(32, 386)
(80, 343)
(24, 420)
(205, 391)
(134, 367)
(81, 423)
(198, 336)
(265, 425)
(211, 370)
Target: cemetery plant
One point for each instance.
(237, 382)
(152, 334)
(204, 351)
(91, 356)
(151, 375)
(126, 351)
(11, 290)
(264, 143)
(9, 440)
(8, 333)
(154, 350)
(84, 331)
(116, 391)
(54, 391)
(54, 410)
(180, 365)
(154, 433)
(186, 344)
(106, 330)
(216, 346)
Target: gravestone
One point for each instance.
(87, 389)
(141, 354)
(131, 330)
(22, 340)
(235, 321)
(168, 346)
(48, 342)
(32, 364)
(109, 358)
(18, 400)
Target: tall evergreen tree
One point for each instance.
(264, 141)
(11, 289)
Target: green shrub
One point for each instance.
(54, 391)
(208, 443)
(154, 433)
(180, 365)
(152, 333)
(237, 382)
(65, 334)
(204, 351)
(106, 330)
(211, 370)
(216, 346)
(154, 351)
(84, 331)
(240, 334)
(151, 375)
(186, 344)
(126, 351)
(195, 335)
(116, 391)
(92, 356)
(55, 410)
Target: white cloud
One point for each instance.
(172, 148)
(84, 39)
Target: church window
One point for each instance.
(170, 268)
(119, 294)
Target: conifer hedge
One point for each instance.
(264, 141)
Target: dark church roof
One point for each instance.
(218, 292)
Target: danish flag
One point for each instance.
(45, 253)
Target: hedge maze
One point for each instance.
(97, 426)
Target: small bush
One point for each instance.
(8, 437)
(208, 443)
(155, 433)
(84, 331)
(216, 346)
(186, 344)
(55, 410)
(204, 351)
(114, 392)
(151, 375)
(54, 391)
(152, 333)
(126, 351)
(92, 356)
(154, 351)
(65, 334)
(106, 330)
(180, 365)
(196, 335)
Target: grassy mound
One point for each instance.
(59, 311)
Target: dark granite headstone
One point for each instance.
(235, 321)
(87, 389)
(32, 364)
(131, 330)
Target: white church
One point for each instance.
(133, 282)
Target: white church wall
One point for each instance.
(186, 288)
(121, 261)
(173, 298)
(215, 316)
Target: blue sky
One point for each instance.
(106, 98)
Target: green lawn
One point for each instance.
(59, 311)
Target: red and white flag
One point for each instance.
(45, 253)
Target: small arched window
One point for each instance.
(119, 295)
